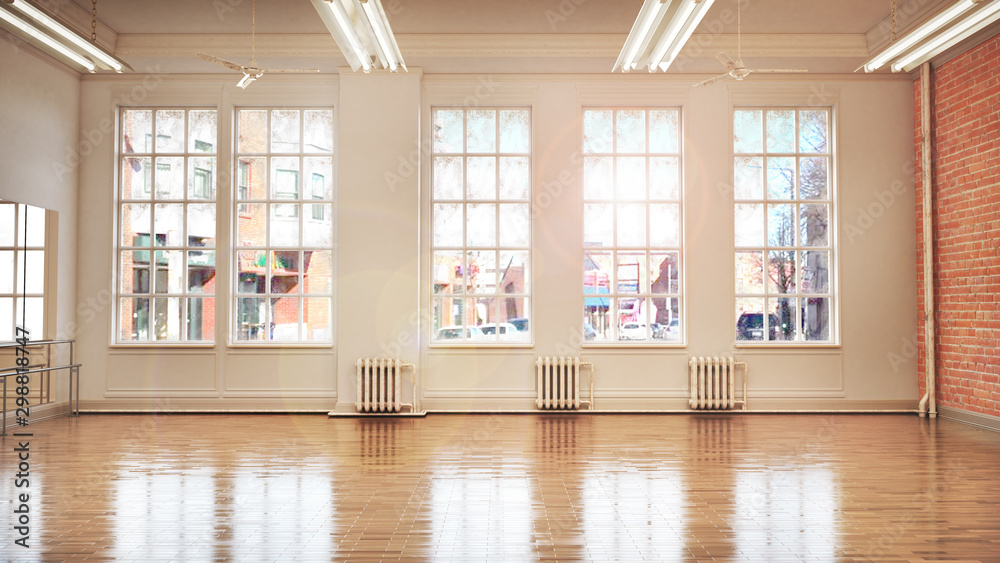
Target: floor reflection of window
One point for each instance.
(786, 514)
(468, 514)
(634, 515)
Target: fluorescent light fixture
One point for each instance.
(659, 33)
(246, 80)
(943, 30)
(58, 37)
(361, 30)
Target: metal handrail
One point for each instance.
(74, 376)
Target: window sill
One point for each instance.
(804, 346)
(634, 345)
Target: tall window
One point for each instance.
(481, 225)
(632, 225)
(783, 209)
(22, 270)
(284, 226)
(166, 226)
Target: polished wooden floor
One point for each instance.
(506, 488)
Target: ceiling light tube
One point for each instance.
(925, 29)
(948, 38)
(367, 33)
(650, 14)
(383, 33)
(67, 34)
(41, 36)
(339, 23)
(687, 19)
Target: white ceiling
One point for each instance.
(490, 35)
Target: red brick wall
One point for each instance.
(965, 114)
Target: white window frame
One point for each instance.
(16, 296)
(153, 197)
(614, 295)
(304, 195)
(798, 248)
(498, 294)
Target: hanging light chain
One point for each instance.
(93, 22)
(892, 4)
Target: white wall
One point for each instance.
(383, 273)
(39, 157)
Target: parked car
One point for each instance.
(632, 331)
(521, 323)
(506, 331)
(750, 326)
(455, 333)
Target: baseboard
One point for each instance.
(672, 405)
(196, 404)
(38, 413)
(981, 420)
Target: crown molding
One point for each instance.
(488, 45)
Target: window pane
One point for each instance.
(169, 131)
(317, 324)
(285, 130)
(169, 177)
(783, 319)
(815, 271)
(814, 220)
(630, 178)
(750, 272)
(31, 271)
(664, 131)
(134, 226)
(664, 224)
(318, 129)
(781, 271)
(169, 224)
(749, 224)
(781, 224)
(668, 316)
(448, 132)
(482, 178)
(285, 177)
(201, 131)
(631, 272)
(137, 131)
(814, 131)
(7, 274)
(780, 130)
(7, 212)
(201, 271)
(515, 178)
(814, 177)
(750, 318)
(448, 224)
(285, 319)
(816, 318)
(598, 224)
(449, 177)
(515, 131)
(664, 177)
(749, 175)
(515, 226)
(479, 311)
(597, 131)
(780, 178)
(251, 319)
(481, 228)
(252, 271)
(318, 228)
(634, 318)
(167, 318)
(251, 224)
(201, 178)
(598, 177)
(284, 224)
(317, 276)
(664, 272)
(748, 131)
(133, 319)
(630, 130)
(285, 270)
(482, 274)
(200, 322)
(251, 178)
(253, 131)
(481, 134)
(169, 268)
(513, 272)
(136, 178)
(449, 272)
(512, 315)
(6, 313)
(631, 224)
(31, 226)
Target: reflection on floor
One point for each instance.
(506, 488)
